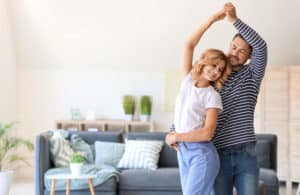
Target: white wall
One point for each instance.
(54, 92)
(8, 79)
(139, 35)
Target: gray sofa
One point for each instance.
(163, 181)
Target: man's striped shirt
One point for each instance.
(239, 95)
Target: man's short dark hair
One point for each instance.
(240, 36)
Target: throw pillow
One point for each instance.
(79, 145)
(141, 154)
(60, 150)
(108, 153)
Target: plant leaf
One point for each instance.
(15, 158)
(9, 125)
(16, 142)
(8, 145)
(4, 128)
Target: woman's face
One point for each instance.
(213, 72)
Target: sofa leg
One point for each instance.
(261, 189)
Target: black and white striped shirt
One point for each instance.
(239, 95)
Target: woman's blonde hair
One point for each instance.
(208, 57)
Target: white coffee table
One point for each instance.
(69, 177)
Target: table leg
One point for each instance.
(68, 187)
(52, 192)
(91, 186)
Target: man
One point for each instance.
(235, 138)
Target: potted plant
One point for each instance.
(145, 106)
(8, 155)
(129, 107)
(76, 163)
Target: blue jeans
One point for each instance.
(239, 168)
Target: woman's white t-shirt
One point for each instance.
(192, 104)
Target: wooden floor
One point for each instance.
(27, 187)
(22, 187)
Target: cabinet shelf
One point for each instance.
(105, 125)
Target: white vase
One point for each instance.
(128, 117)
(76, 168)
(145, 118)
(5, 181)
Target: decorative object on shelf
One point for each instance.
(145, 106)
(8, 156)
(129, 107)
(75, 114)
(76, 163)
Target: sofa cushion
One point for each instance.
(263, 151)
(79, 145)
(108, 186)
(109, 153)
(60, 150)
(167, 157)
(141, 179)
(141, 154)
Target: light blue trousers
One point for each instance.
(198, 165)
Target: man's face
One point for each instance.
(239, 51)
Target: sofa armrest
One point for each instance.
(272, 140)
(42, 161)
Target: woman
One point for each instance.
(197, 107)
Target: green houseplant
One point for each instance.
(145, 108)
(8, 155)
(76, 163)
(128, 106)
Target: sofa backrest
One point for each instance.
(168, 156)
(266, 150)
(91, 137)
